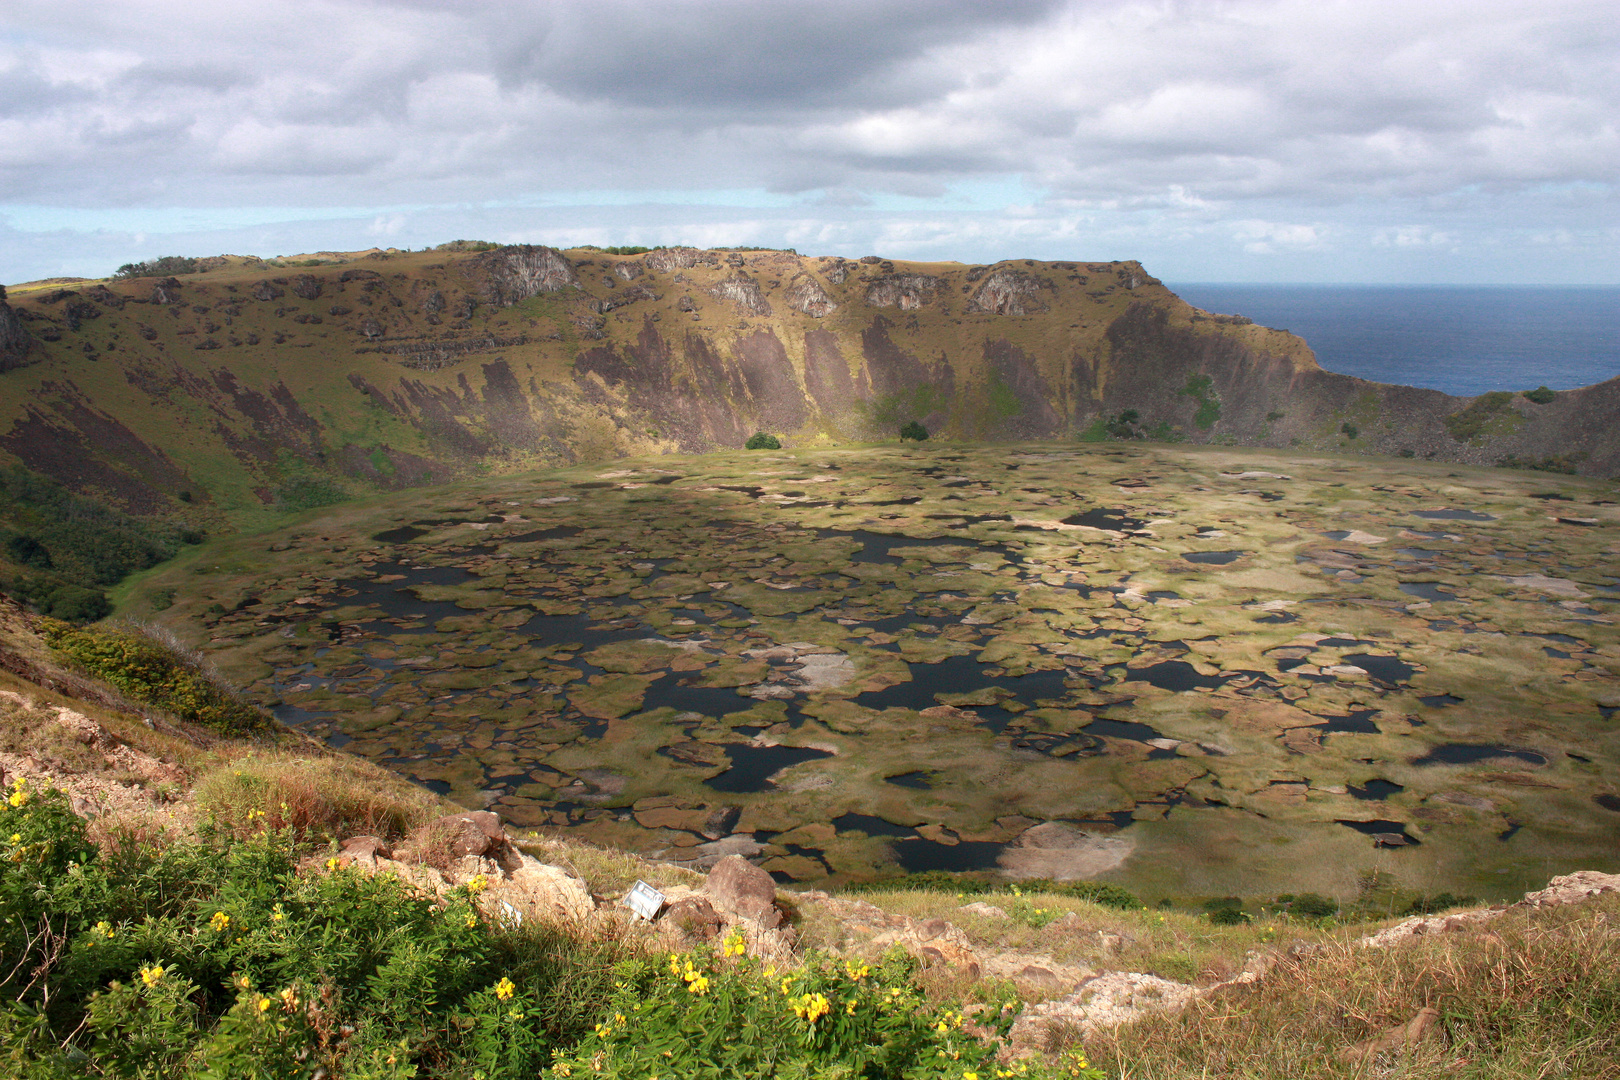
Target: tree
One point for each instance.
(761, 441)
(913, 431)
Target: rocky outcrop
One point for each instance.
(14, 340)
(739, 888)
(513, 274)
(669, 260)
(307, 287)
(263, 290)
(744, 293)
(165, 291)
(805, 294)
(1008, 292)
(908, 292)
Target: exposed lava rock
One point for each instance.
(307, 287)
(14, 340)
(1008, 292)
(908, 292)
(744, 292)
(514, 274)
(804, 293)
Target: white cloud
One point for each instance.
(1225, 123)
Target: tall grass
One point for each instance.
(1536, 994)
(315, 798)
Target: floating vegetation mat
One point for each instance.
(1181, 669)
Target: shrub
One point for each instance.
(1201, 388)
(1540, 395)
(761, 441)
(150, 666)
(913, 431)
(1228, 916)
(308, 493)
(1349, 430)
(167, 266)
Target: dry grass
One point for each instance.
(608, 872)
(1535, 995)
(317, 798)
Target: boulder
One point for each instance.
(738, 887)
(695, 917)
(307, 287)
(545, 892)
(365, 850)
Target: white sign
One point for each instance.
(644, 900)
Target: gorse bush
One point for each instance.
(682, 1017)
(149, 666)
(225, 957)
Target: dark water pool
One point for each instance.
(1383, 668)
(1216, 558)
(1105, 518)
(751, 766)
(1176, 675)
(1384, 833)
(1452, 515)
(1428, 590)
(1376, 790)
(916, 855)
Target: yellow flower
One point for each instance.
(942, 1027)
(219, 922)
(104, 928)
(16, 838)
(812, 1007)
(289, 998)
(857, 970)
(262, 1004)
(472, 920)
(242, 982)
(970, 1076)
(504, 989)
(477, 884)
(333, 863)
(19, 793)
(699, 985)
(151, 975)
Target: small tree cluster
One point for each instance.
(913, 431)
(761, 441)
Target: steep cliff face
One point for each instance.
(14, 341)
(394, 369)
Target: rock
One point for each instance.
(263, 290)
(1007, 292)
(1108, 1000)
(15, 343)
(514, 274)
(307, 287)
(743, 291)
(476, 834)
(695, 917)
(1573, 888)
(166, 291)
(988, 911)
(545, 892)
(908, 292)
(804, 293)
(629, 271)
(1422, 1028)
(364, 849)
(740, 888)
(669, 260)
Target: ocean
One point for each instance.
(1463, 339)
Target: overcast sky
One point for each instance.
(1244, 140)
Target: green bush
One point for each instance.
(150, 668)
(913, 431)
(1228, 916)
(307, 493)
(1540, 395)
(228, 957)
(1201, 388)
(1349, 430)
(167, 266)
(761, 441)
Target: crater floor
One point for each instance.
(1189, 670)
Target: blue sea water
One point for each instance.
(1463, 339)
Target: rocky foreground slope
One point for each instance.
(256, 382)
